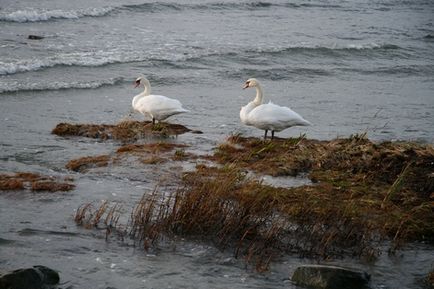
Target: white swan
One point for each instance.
(268, 116)
(157, 107)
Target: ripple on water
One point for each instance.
(32, 232)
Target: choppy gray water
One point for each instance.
(346, 66)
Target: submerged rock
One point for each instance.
(330, 277)
(38, 277)
(35, 37)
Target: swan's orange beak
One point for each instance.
(246, 85)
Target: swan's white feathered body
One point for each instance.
(157, 107)
(268, 116)
(274, 117)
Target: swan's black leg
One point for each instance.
(272, 134)
(265, 135)
(153, 121)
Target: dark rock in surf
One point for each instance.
(330, 277)
(38, 277)
(35, 37)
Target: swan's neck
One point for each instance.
(259, 95)
(146, 92)
(147, 86)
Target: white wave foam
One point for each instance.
(90, 59)
(56, 85)
(97, 58)
(36, 15)
(363, 46)
(342, 46)
(325, 47)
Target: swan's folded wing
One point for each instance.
(161, 107)
(275, 117)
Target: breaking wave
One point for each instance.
(58, 85)
(329, 48)
(91, 59)
(181, 57)
(37, 15)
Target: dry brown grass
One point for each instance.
(85, 163)
(430, 279)
(51, 186)
(105, 216)
(34, 182)
(125, 131)
(363, 193)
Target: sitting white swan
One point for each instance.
(157, 107)
(268, 116)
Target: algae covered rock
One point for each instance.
(330, 277)
(37, 277)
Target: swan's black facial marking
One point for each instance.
(247, 84)
(137, 82)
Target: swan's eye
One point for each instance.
(248, 83)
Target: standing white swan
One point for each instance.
(157, 107)
(268, 116)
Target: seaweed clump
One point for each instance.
(125, 131)
(33, 182)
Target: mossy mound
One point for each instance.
(123, 131)
(364, 191)
(355, 159)
(33, 182)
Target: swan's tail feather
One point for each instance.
(304, 122)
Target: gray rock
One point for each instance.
(330, 277)
(38, 277)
